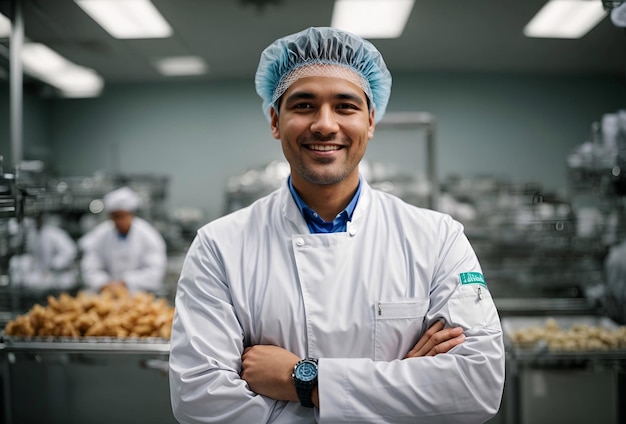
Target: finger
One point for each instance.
(434, 340)
(437, 326)
(248, 353)
(424, 344)
(446, 346)
(441, 337)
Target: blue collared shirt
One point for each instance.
(315, 222)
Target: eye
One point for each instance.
(302, 105)
(347, 106)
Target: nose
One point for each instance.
(324, 122)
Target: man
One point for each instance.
(124, 250)
(312, 304)
(49, 259)
(52, 247)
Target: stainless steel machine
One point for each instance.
(565, 282)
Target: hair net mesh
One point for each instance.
(323, 51)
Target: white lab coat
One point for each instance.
(357, 300)
(53, 248)
(140, 259)
(49, 261)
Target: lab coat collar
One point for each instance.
(291, 212)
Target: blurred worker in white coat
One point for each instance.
(52, 247)
(313, 304)
(124, 250)
(49, 261)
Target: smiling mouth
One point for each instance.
(323, 147)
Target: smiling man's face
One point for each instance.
(324, 126)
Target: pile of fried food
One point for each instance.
(110, 313)
(578, 337)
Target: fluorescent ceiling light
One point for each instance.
(5, 26)
(40, 59)
(565, 19)
(182, 65)
(70, 79)
(127, 18)
(372, 18)
(77, 81)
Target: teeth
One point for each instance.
(324, 147)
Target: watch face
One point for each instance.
(306, 371)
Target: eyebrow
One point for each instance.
(298, 95)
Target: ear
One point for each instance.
(370, 131)
(274, 124)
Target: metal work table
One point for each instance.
(544, 386)
(77, 381)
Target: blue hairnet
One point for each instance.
(328, 46)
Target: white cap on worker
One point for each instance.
(122, 199)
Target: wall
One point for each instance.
(197, 133)
(522, 127)
(201, 133)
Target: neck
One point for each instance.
(327, 200)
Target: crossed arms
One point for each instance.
(267, 369)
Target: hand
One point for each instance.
(437, 340)
(116, 287)
(114, 284)
(267, 370)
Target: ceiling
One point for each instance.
(441, 35)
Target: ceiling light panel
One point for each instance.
(372, 18)
(127, 18)
(40, 59)
(77, 81)
(70, 79)
(5, 26)
(181, 65)
(565, 19)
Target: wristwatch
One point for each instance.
(305, 379)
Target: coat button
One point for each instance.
(300, 241)
(352, 230)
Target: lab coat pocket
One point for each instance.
(398, 326)
(472, 306)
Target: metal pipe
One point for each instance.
(432, 165)
(16, 79)
(420, 120)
